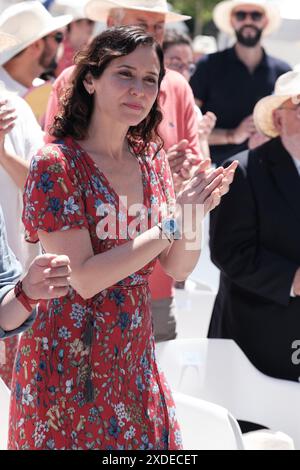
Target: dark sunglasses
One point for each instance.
(241, 15)
(58, 36)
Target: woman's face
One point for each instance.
(128, 87)
(179, 57)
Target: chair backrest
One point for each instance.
(218, 371)
(193, 312)
(4, 414)
(206, 426)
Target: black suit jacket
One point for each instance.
(255, 242)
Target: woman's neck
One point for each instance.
(106, 138)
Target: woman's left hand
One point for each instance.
(215, 198)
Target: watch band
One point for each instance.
(162, 231)
(26, 301)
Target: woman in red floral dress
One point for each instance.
(85, 375)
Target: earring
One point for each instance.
(91, 92)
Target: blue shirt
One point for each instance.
(226, 87)
(10, 271)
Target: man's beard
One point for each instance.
(47, 64)
(248, 41)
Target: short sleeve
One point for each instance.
(52, 197)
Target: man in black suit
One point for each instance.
(255, 241)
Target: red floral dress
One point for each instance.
(9, 349)
(85, 375)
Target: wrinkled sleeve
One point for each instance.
(52, 197)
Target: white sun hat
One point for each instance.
(7, 41)
(287, 87)
(75, 8)
(222, 14)
(98, 10)
(204, 44)
(28, 22)
(289, 9)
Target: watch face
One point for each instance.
(170, 227)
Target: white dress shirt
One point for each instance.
(297, 164)
(11, 84)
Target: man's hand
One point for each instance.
(206, 124)
(243, 131)
(177, 154)
(48, 277)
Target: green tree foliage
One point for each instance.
(199, 10)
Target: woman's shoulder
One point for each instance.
(59, 151)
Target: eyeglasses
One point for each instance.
(241, 15)
(58, 37)
(181, 67)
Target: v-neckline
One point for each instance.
(104, 177)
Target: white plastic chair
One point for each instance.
(217, 370)
(4, 414)
(194, 306)
(205, 426)
(205, 271)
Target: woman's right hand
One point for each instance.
(48, 277)
(205, 188)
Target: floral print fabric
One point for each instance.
(105, 344)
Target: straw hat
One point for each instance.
(75, 8)
(7, 41)
(28, 22)
(204, 44)
(222, 14)
(287, 87)
(98, 10)
(289, 9)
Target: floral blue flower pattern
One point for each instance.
(104, 344)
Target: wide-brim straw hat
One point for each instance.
(223, 10)
(205, 44)
(98, 10)
(75, 8)
(287, 87)
(7, 41)
(28, 22)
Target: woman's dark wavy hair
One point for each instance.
(77, 104)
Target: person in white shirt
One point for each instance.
(17, 147)
(38, 35)
(20, 138)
